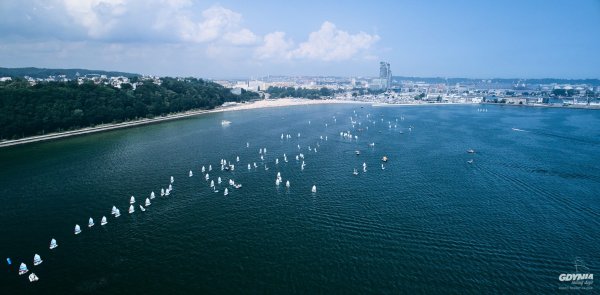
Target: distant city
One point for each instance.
(384, 88)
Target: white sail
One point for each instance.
(162, 192)
(277, 161)
(314, 189)
(131, 209)
(172, 179)
(170, 187)
(33, 277)
(103, 221)
(249, 167)
(23, 269)
(219, 180)
(147, 202)
(277, 181)
(37, 260)
(226, 192)
(212, 183)
(287, 183)
(152, 195)
(131, 200)
(207, 177)
(77, 229)
(91, 222)
(191, 173)
(142, 208)
(118, 213)
(53, 244)
(278, 174)
(114, 210)
(203, 169)
(237, 158)
(209, 167)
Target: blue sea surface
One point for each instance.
(511, 221)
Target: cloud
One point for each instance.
(326, 44)
(275, 45)
(331, 44)
(98, 17)
(241, 37)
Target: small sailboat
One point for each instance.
(103, 221)
(77, 229)
(207, 177)
(91, 222)
(314, 189)
(237, 158)
(152, 195)
(219, 180)
(471, 151)
(33, 277)
(247, 144)
(162, 192)
(287, 184)
(170, 187)
(355, 172)
(37, 260)
(23, 269)
(131, 200)
(142, 208)
(53, 244)
(209, 167)
(203, 169)
(276, 161)
(118, 213)
(167, 192)
(147, 202)
(172, 179)
(382, 167)
(226, 192)
(470, 161)
(191, 173)
(113, 211)
(131, 209)
(249, 167)
(277, 181)
(212, 183)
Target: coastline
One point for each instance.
(269, 103)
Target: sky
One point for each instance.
(245, 39)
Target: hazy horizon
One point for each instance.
(233, 39)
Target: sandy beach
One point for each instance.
(269, 103)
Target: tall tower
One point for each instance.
(385, 74)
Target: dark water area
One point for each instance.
(511, 221)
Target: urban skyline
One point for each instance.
(231, 39)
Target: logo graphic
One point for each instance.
(581, 279)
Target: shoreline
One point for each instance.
(284, 102)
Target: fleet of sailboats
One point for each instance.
(225, 166)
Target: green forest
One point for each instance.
(57, 106)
